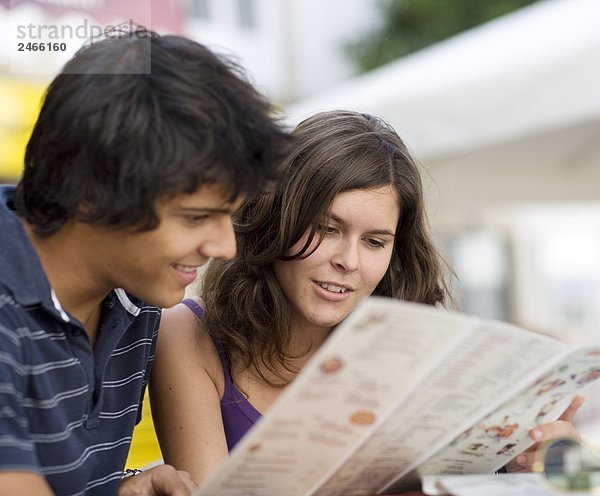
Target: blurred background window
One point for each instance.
(246, 13)
(481, 260)
(200, 9)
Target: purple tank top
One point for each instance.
(237, 412)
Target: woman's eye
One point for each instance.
(328, 229)
(375, 243)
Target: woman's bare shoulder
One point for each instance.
(183, 337)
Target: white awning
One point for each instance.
(519, 94)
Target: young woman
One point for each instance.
(347, 221)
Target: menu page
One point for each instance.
(465, 385)
(393, 385)
(354, 381)
(499, 437)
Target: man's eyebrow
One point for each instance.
(212, 210)
(380, 232)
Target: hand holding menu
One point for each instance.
(401, 390)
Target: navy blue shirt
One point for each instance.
(67, 410)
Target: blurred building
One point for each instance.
(291, 48)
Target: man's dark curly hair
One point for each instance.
(135, 118)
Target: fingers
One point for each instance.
(563, 427)
(523, 462)
(543, 433)
(167, 480)
(187, 480)
(571, 410)
(554, 430)
(157, 481)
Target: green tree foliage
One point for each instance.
(410, 25)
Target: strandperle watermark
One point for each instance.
(39, 48)
(84, 31)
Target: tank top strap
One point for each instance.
(194, 307)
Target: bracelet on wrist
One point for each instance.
(130, 472)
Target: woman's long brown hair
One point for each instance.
(246, 310)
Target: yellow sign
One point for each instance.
(144, 449)
(20, 103)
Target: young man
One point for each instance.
(143, 149)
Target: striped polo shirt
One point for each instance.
(67, 410)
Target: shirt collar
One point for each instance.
(20, 268)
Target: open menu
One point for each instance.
(402, 390)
